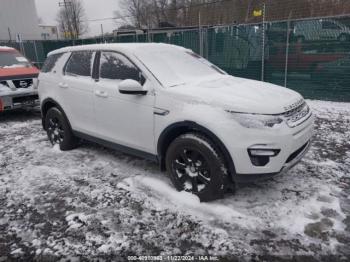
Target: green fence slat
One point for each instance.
(312, 57)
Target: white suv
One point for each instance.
(165, 103)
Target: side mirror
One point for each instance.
(131, 87)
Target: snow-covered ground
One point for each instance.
(93, 202)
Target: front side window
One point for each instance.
(80, 64)
(117, 67)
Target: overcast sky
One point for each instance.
(95, 9)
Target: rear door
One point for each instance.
(76, 89)
(124, 119)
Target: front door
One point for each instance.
(124, 119)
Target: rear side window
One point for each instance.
(50, 63)
(116, 66)
(80, 64)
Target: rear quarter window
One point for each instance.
(50, 63)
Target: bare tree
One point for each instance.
(72, 20)
(149, 13)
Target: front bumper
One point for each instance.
(290, 143)
(19, 100)
(245, 178)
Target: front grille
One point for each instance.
(23, 83)
(25, 99)
(296, 153)
(297, 115)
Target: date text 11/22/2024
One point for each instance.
(173, 258)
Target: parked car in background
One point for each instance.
(336, 73)
(18, 80)
(314, 30)
(166, 103)
(302, 57)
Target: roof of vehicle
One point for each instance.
(6, 48)
(122, 47)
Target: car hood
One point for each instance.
(10, 73)
(239, 95)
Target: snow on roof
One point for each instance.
(123, 47)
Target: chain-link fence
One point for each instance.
(310, 56)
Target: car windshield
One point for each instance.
(173, 67)
(12, 59)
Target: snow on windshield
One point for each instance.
(12, 60)
(174, 67)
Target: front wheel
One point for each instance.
(195, 165)
(58, 130)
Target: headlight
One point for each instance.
(257, 121)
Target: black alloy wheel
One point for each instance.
(195, 165)
(58, 129)
(192, 169)
(55, 131)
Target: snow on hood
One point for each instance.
(3, 47)
(15, 66)
(239, 94)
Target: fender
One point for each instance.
(43, 108)
(176, 129)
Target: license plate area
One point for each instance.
(25, 100)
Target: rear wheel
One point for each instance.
(58, 130)
(195, 165)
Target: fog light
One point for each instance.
(263, 152)
(261, 156)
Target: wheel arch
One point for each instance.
(46, 105)
(173, 131)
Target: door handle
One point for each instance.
(101, 94)
(63, 85)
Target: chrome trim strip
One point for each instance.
(295, 161)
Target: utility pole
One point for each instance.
(102, 33)
(9, 30)
(65, 4)
(287, 50)
(200, 33)
(263, 44)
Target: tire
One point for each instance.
(58, 129)
(195, 165)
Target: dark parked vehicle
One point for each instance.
(335, 73)
(303, 57)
